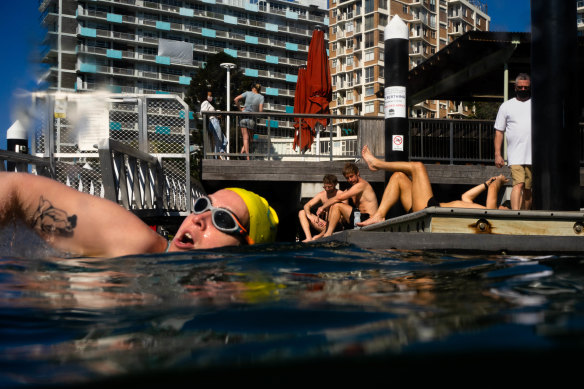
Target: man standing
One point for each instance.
(514, 119)
(360, 193)
(308, 219)
(254, 102)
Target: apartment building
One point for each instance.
(156, 46)
(356, 44)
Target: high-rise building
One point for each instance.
(357, 47)
(155, 46)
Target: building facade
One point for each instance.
(156, 46)
(356, 44)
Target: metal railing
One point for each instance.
(452, 141)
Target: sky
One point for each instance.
(21, 36)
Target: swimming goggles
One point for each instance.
(223, 219)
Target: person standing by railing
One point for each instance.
(514, 121)
(254, 102)
(219, 140)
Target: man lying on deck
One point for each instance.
(410, 185)
(86, 225)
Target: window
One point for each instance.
(369, 55)
(350, 61)
(369, 39)
(369, 74)
(369, 22)
(369, 6)
(370, 107)
(369, 90)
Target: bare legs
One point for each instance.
(399, 188)
(421, 189)
(520, 197)
(245, 136)
(305, 223)
(337, 212)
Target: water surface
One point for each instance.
(283, 313)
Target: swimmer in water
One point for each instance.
(86, 225)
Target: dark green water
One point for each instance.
(287, 313)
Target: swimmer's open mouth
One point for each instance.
(187, 238)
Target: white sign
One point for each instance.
(395, 102)
(397, 142)
(92, 121)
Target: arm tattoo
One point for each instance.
(49, 219)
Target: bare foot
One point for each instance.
(369, 158)
(307, 240)
(372, 220)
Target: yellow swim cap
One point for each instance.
(263, 220)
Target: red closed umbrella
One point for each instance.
(318, 79)
(302, 132)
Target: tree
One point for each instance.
(486, 110)
(212, 77)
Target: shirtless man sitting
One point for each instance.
(308, 219)
(415, 193)
(360, 192)
(79, 223)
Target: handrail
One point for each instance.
(23, 163)
(431, 140)
(138, 182)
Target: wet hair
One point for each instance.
(350, 168)
(257, 87)
(330, 179)
(522, 77)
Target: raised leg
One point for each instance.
(399, 188)
(421, 187)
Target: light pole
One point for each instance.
(228, 66)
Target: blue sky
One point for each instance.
(21, 34)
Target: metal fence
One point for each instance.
(457, 141)
(72, 125)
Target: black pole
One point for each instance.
(396, 78)
(554, 109)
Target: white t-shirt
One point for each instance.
(207, 106)
(514, 118)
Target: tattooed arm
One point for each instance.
(73, 221)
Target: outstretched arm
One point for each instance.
(342, 196)
(74, 221)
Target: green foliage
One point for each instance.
(486, 110)
(212, 78)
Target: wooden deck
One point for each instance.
(307, 171)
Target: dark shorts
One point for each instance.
(351, 224)
(431, 203)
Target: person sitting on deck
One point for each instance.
(410, 185)
(87, 225)
(360, 193)
(309, 220)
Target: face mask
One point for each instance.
(524, 94)
(209, 98)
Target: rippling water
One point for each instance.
(280, 312)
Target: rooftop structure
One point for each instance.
(155, 46)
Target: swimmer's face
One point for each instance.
(352, 178)
(199, 232)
